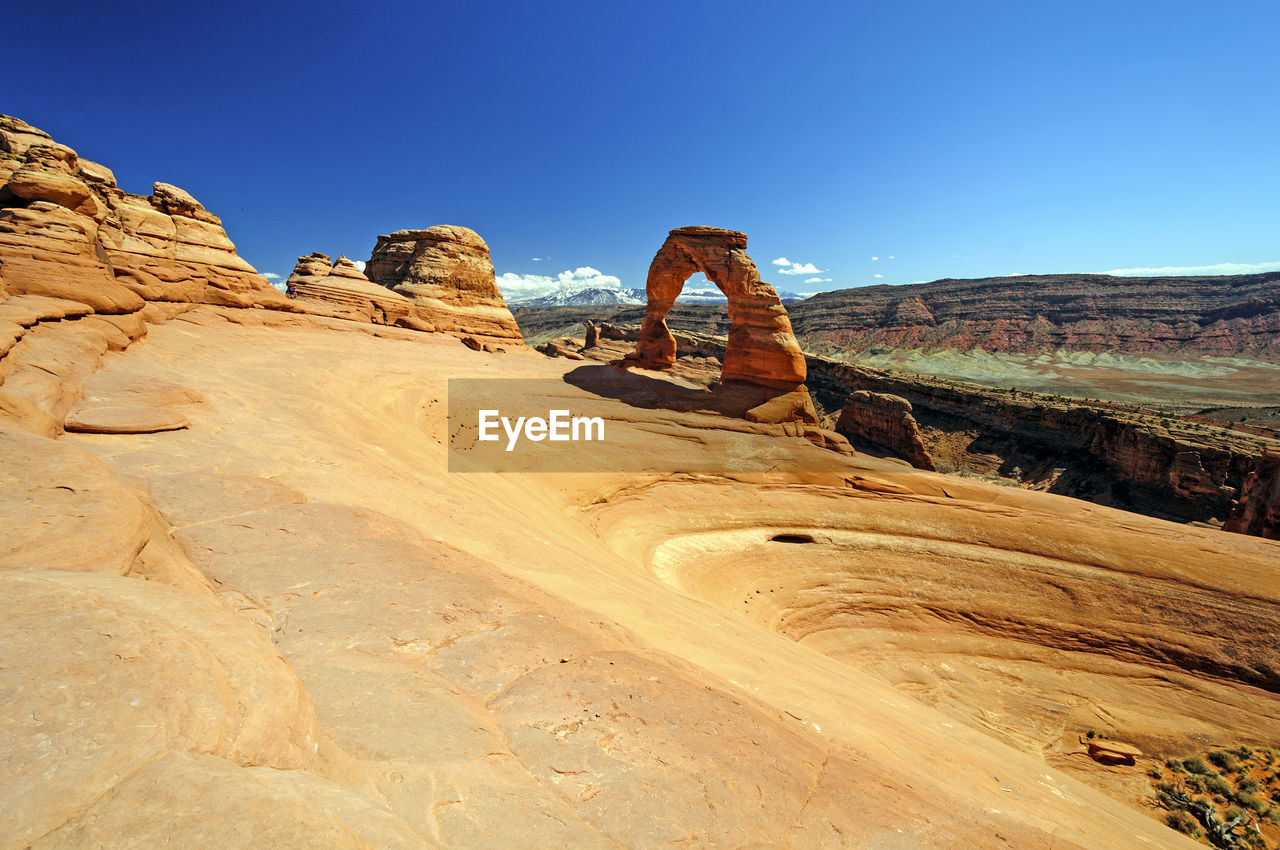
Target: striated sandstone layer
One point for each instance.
(341, 290)
(886, 421)
(68, 231)
(1110, 454)
(445, 271)
(1224, 315)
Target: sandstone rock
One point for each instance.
(342, 291)
(1112, 752)
(1226, 315)
(123, 419)
(761, 349)
(592, 338)
(92, 667)
(884, 420)
(67, 231)
(1258, 510)
(447, 274)
(204, 801)
(47, 249)
(173, 201)
(63, 510)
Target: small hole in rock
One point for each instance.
(791, 538)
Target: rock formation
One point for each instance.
(68, 231)
(761, 351)
(341, 290)
(445, 271)
(592, 336)
(1109, 454)
(1224, 315)
(884, 420)
(1258, 509)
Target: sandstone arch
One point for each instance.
(762, 355)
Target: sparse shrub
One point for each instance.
(1217, 785)
(1155, 772)
(1195, 764)
(1196, 783)
(1243, 753)
(1175, 765)
(1224, 759)
(1253, 804)
(1233, 812)
(1184, 823)
(1247, 785)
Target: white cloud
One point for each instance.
(358, 264)
(879, 275)
(874, 259)
(523, 287)
(817, 280)
(1216, 268)
(802, 268)
(539, 259)
(271, 275)
(891, 256)
(782, 261)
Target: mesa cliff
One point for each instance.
(1226, 315)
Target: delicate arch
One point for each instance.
(762, 349)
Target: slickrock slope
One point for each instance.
(341, 290)
(446, 272)
(854, 655)
(1233, 315)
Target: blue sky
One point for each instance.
(945, 139)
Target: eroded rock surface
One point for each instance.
(884, 420)
(341, 290)
(445, 271)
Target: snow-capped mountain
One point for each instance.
(592, 297)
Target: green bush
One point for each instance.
(1218, 785)
(1253, 804)
(1247, 784)
(1175, 765)
(1156, 773)
(1224, 759)
(1195, 764)
(1196, 783)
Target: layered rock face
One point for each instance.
(884, 420)
(445, 271)
(1258, 509)
(761, 350)
(68, 231)
(341, 290)
(1110, 455)
(1233, 315)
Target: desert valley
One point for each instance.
(986, 563)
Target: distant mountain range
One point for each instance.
(602, 297)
